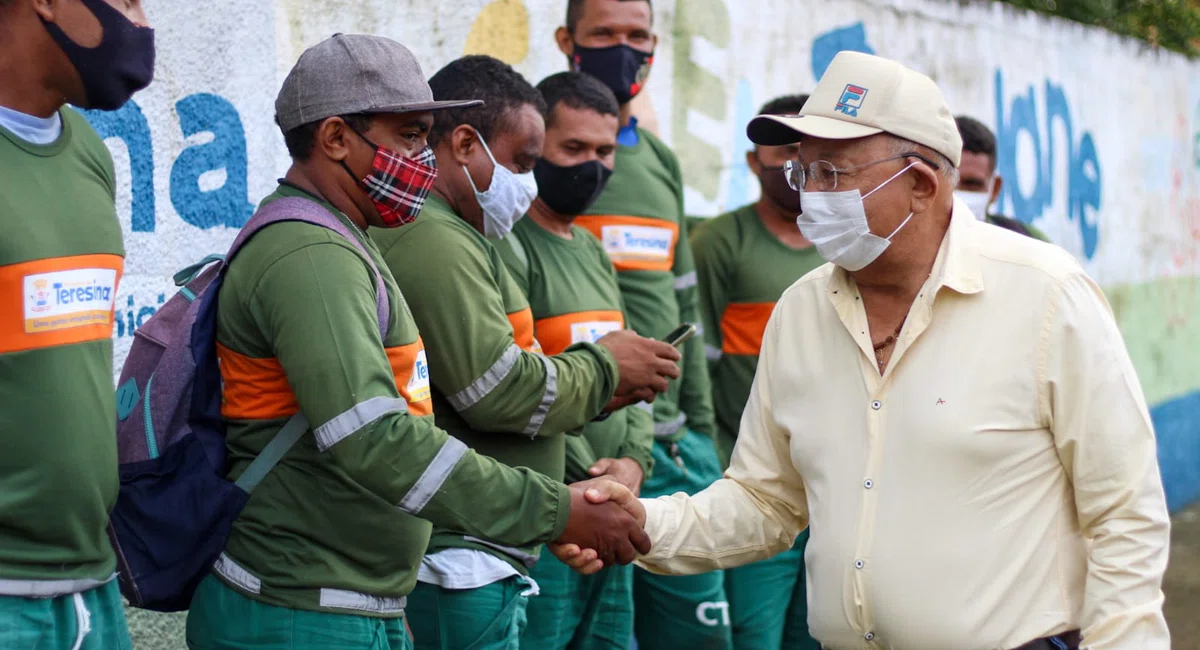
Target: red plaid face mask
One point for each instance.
(398, 185)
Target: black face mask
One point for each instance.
(122, 64)
(570, 191)
(622, 68)
(775, 187)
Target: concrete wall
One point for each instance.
(1099, 138)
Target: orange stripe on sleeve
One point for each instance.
(412, 376)
(58, 301)
(558, 333)
(634, 243)
(255, 389)
(742, 327)
(522, 327)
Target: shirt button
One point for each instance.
(869, 635)
(877, 405)
(858, 564)
(868, 484)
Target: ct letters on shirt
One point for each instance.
(998, 484)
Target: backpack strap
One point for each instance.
(309, 211)
(271, 454)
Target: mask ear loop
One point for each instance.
(894, 177)
(902, 223)
(488, 151)
(358, 181)
(881, 185)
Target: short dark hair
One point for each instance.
(976, 137)
(575, 12)
(300, 139)
(784, 105)
(479, 76)
(577, 90)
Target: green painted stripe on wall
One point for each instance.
(1161, 325)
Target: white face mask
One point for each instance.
(977, 202)
(507, 198)
(836, 223)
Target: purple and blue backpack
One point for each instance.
(176, 505)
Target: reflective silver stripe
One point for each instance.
(233, 572)
(713, 353)
(341, 599)
(699, 329)
(543, 409)
(685, 281)
(432, 478)
(49, 588)
(488, 381)
(521, 556)
(359, 416)
(645, 406)
(668, 429)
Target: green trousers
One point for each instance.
(768, 603)
(94, 618)
(575, 612)
(689, 612)
(485, 618)
(221, 618)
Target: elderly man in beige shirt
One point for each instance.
(947, 404)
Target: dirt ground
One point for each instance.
(1182, 587)
(1182, 584)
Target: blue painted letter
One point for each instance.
(129, 124)
(226, 205)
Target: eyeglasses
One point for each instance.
(825, 176)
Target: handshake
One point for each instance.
(605, 525)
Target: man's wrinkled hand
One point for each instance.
(642, 363)
(625, 471)
(604, 527)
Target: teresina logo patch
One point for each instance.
(592, 331)
(626, 243)
(64, 299)
(418, 384)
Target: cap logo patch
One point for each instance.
(851, 100)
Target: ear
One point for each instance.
(332, 138)
(45, 9)
(463, 141)
(926, 182)
(753, 163)
(997, 185)
(566, 44)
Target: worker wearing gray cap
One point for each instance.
(330, 542)
(947, 404)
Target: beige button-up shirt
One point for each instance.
(999, 483)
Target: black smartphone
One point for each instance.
(680, 334)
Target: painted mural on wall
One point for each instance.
(1111, 173)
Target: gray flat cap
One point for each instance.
(348, 74)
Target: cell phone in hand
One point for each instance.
(680, 334)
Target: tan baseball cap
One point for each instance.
(861, 95)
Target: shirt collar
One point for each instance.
(957, 265)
